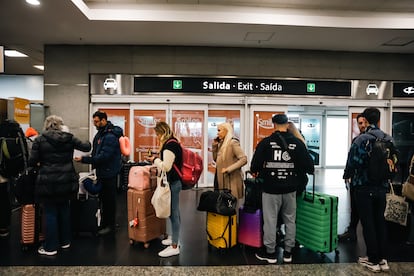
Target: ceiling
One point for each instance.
(335, 25)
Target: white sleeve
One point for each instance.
(167, 163)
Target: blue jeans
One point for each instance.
(175, 188)
(370, 201)
(58, 228)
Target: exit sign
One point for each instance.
(310, 87)
(177, 84)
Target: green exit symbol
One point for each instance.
(177, 84)
(310, 88)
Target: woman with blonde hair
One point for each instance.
(229, 158)
(170, 154)
(302, 177)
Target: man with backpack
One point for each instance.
(373, 157)
(13, 159)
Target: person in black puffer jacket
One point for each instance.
(56, 182)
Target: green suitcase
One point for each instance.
(317, 221)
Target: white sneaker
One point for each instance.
(363, 260)
(372, 267)
(167, 241)
(384, 265)
(169, 251)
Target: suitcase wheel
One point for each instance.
(131, 242)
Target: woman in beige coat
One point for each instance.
(229, 158)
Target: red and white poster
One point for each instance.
(263, 125)
(216, 117)
(118, 117)
(145, 138)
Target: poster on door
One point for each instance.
(118, 117)
(216, 117)
(188, 126)
(145, 139)
(263, 125)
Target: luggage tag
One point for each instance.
(133, 223)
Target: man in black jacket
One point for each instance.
(279, 159)
(106, 159)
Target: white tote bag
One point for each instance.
(161, 200)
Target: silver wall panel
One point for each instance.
(111, 84)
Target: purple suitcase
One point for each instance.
(250, 228)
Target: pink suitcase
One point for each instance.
(250, 228)
(142, 177)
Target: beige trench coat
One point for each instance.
(233, 160)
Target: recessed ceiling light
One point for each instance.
(33, 2)
(40, 67)
(13, 53)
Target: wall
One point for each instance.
(67, 69)
(27, 87)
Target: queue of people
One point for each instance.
(281, 160)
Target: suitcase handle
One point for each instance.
(308, 198)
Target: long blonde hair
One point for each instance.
(295, 131)
(165, 132)
(227, 138)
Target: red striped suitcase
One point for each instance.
(250, 228)
(32, 225)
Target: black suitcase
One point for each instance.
(86, 214)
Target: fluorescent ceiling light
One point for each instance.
(13, 53)
(33, 2)
(40, 67)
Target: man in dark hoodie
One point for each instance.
(369, 191)
(57, 181)
(106, 159)
(279, 159)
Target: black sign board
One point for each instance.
(241, 86)
(403, 89)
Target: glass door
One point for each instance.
(403, 134)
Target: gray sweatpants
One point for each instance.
(272, 205)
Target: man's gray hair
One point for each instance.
(53, 122)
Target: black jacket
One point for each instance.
(106, 153)
(53, 151)
(281, 168)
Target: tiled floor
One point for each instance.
(98, 255)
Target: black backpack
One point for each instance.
(13, 149)
(382, 159)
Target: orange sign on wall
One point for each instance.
(21, 111)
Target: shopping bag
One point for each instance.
(408, 188)
(396, 209)
(161, 199)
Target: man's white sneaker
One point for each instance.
(167, 241)
(363, 260)
(384, 265)
(169, 251)
(372, 267)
